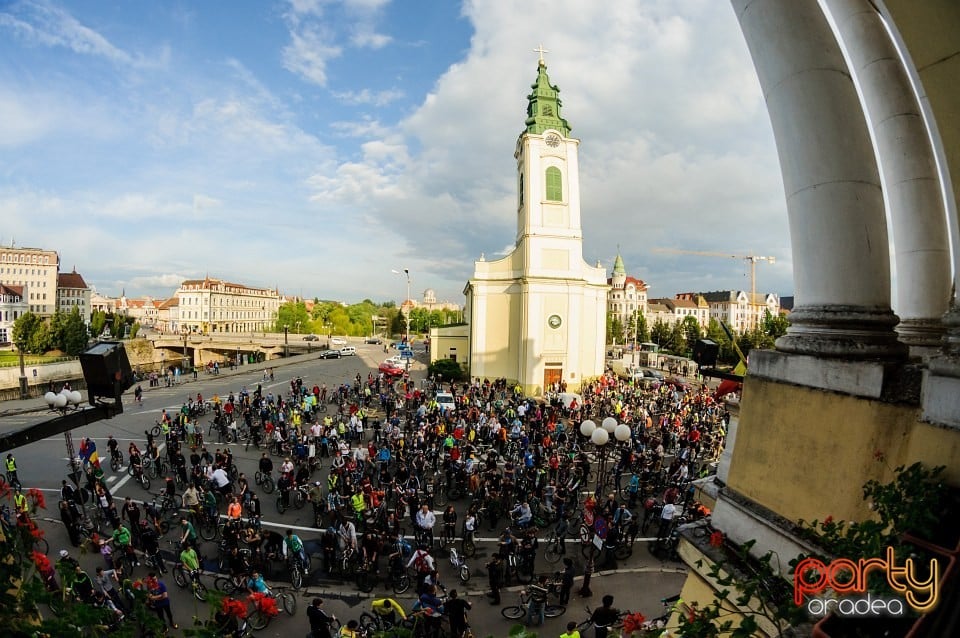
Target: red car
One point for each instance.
(391, 370)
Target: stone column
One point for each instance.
(914, 196)
(835, 206)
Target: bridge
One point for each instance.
(225, 347)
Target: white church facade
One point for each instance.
(537, 316)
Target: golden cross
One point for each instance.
(541, 51)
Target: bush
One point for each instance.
(448, 369)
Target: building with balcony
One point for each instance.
(212, 306)
(627, 296)
(676, 310)
(35, 270)
(734, 307)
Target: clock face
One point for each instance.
(553, 141)
(554, 321)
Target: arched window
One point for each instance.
(554, 185)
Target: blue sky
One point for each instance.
(315, 145)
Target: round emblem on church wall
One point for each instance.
(553, 141)
(554, 321)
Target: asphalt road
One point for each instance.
(640, 582)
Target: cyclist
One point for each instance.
(450, 523)
(20, 505)
(188, 534)
(266, 464)
(387, 609)
(293, 543)
(11, 467)
(425, 520)
(315, 496)
(256, 584)
(138, 394)
(190, 560)
(350, 630)
(114, 448)
(319, 620)
(121, 540)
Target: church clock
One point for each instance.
(553, 141)
(554, 321)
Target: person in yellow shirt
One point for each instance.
(387, 610)
(571, 631)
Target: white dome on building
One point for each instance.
(429, 296)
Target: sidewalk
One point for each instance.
(38, 404)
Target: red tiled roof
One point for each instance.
(7, 289)
(70, 280)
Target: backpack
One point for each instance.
(421, 563)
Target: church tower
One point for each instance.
(537, 316)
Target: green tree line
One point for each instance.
(66, 332)
(679, 338)
(357, 320)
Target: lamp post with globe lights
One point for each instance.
(63, 402)
(600, 437)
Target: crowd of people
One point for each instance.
(392, 459)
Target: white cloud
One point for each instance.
(364, 38)
(49, 25)
(308, 53)
(366, 96)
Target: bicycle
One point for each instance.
(297, 571)
(459, 564)
(264, 480)
(554, 548)
(586, 624)
(518, 611)
(297, 498)
(261, 616)
(192, 578)
(116, 460)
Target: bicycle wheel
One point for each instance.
(208, 529)
(296, 577)
(623, 551)
(199, 591)
(268, 485)
(553, 610)
(164, 527)
(41, 545)
(225, 585)
(155, 431)
(288, 602)
(180, 577)
(553, 552)
(281, 508)
(513, 612)
(468, 548)
(401, 584)
(299, 500)
(177, 502)
(145, 482)
(464, 574)
(368, 623)
(258, 620)
(115, 464)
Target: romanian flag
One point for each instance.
(726, 386)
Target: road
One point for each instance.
(640, 583)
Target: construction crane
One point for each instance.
(750, 259)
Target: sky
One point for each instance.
(317, 145)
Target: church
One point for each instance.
(538, 315)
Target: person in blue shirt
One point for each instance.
(256, 584)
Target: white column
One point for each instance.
(911, 180)
(834, 200)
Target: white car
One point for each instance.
(338, 341)
(395, 360)
(348, 351)
(445, 401)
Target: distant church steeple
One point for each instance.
(619, 273)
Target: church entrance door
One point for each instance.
(550, 376)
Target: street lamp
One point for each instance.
(600, 436)
(406, 271)
(286, 350)
(183, 365)
(298, 327)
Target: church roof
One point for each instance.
(618, 267)
(543, 105)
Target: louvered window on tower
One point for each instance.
(554, 185)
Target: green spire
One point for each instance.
(618, 267)
(543, 108)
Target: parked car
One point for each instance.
(445, 401)
(373, 340)
(396, 360)
(391, 370)
(311, 338)
(348, 351)
(330, 354)
(338, 341)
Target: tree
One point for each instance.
(660, 334)
(117, 327)
(642, 330)
(57, 324)
(75, 334)
(775, 327)
(41, 339)
(691, 330)
(98, 322)
(291, 314)
(678, 338)
(614, 329)
(23, 329)
(447, 369)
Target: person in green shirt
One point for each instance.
(571, 631)
(189, 558)
(188, 534)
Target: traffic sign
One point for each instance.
(406, 354)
